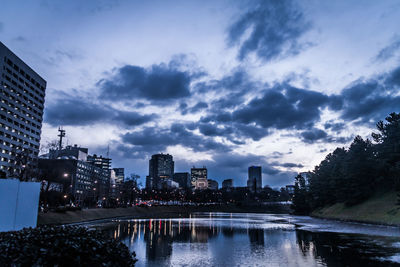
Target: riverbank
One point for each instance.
(55, 218)
(380, 209)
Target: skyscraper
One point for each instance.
(183, 179)
(254, 182)
(161, 169)
(119, 174)
(22, 93)
(199, 178)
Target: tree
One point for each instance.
(388, 149)
(300, 198)
(360, 174)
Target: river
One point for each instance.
(246, 239)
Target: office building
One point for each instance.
(75, 152)
(119, 175)
(198, 177)
(81, 179)
(227, 184)
(22, 93)
(212, 184)
(183, 179)
(161, 170)
(254, 182)
(100, 161)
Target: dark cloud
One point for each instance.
(390, 50)
(273, 29)
(280, 107)
(313, 135)
(283, 107)
(334, 126)
(393, 80)
(79, 111)
(131, 118)
(156, 139)
(291, 165)
(74, 111)
(184, 109)
(317, 135)
(368, 101)
(158, 84)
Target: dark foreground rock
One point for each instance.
(62, 246)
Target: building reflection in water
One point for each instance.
(206, 240)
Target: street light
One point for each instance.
(65, 175)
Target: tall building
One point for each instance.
(227, 184)
(254, 182)
(22, 93)
(79, 153)
(100, 161)
(183, 179)
(119, 175)
(81, 179)
(198, 178)
(212, 184)
(161, 170)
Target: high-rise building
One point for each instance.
(119, 175)
(100, 161)
(183, 179)
(212, 184)
(254, 182)
(79, 153)
(161, 169)
(22, 93)
(81, 179)
(227, 184)
(198, 178)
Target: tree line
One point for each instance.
(352, 175)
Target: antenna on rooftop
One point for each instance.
(61, 135)
(108, 151)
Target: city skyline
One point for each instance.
(211, 83)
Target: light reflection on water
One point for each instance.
(223, 239)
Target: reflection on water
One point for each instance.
(219, 239)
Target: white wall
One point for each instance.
(19, 202)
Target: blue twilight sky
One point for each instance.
(225, 84)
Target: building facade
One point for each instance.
(119, 175)
(161, 170)
(198, 177)
(183, 179)
(100, 161)
(83, 180)
(254, 182)
(227, 184)
(22, 94)
(212, 184)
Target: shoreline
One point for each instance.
(87, 215)
(380, 209)
(375, 223)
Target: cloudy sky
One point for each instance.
(225, 84)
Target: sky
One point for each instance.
(221, 84)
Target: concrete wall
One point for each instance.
(19, 202)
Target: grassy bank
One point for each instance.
(380, 209)
(149, 212)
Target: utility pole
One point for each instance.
(61, 135)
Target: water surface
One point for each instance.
(224, 239)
